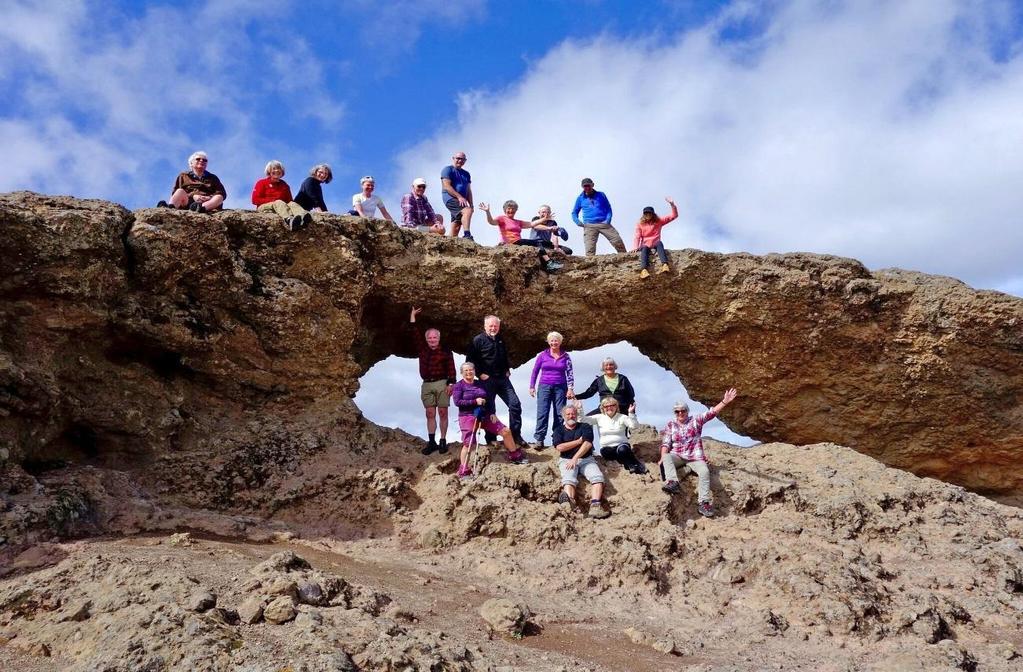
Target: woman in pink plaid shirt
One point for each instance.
(682, 444)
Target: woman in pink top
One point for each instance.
(511, 232)
(648, 237)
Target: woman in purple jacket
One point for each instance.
(475, 400)
(554, 368)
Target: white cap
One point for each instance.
(418, 182)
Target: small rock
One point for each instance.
(285, 561)
(637, 636)
(75, 611)
(309, 592)
(251, 610)
(226, 616)
(504, 616)
(337, 662)
(180, 539)
(200, 601)
(666, 646)
(309, 619)
(282, 586)
(279, 611)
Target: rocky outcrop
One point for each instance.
(148, 338)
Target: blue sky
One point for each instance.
(888, 132)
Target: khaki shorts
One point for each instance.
(435, 394)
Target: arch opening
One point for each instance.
(389, 393)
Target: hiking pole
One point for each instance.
(474, 444)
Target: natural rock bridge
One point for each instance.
(127, 336)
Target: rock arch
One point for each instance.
(231, 329)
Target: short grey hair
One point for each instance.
(608, 401)
(431, 331)
(510, 204)
(680, 406)
(488, 318)
(197, 155)
(330, 173)
(273, 164)
(368, 178)
(549, 208)
(567, 407)
(465, 365)
(555, 334)
(608, 360)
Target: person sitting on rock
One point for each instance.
(416, 211)
(470, 394)
(574, 442)
(437, 369)
(614, 436)
(682, 444)
(272, 194)
(366, 203)
(310, 194)
(609, 384)
(648, 237)
(197, 189)
(548, 233)
(511, 233)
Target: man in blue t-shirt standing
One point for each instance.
(592, 211)
(457, 185)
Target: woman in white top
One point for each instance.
(614, 437)
(366, 204)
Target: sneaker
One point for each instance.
(706, 509)
(464, 472)
(307, 219)
(518, 457)
(639, 468)
(563, 233)
(537, 446)
(431, 446)
(195, 206)
(598, 511)
(162, 204)
(442, 446)
(552, 266)
(466, 234)
(663, 269)
(644, 273)
(563, 498)
(295, 223)
(671, 487)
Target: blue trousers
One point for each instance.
(547, 397)
(644, 254)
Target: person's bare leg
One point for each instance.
(431, 419)
(180, 198)
(443, 411)
(598, 492)
(509, 443)
(213, 203)
(570, 490)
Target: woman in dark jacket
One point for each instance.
(310, 195)
(609, 384)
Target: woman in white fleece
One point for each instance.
(614, 437)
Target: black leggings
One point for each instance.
(623, 454)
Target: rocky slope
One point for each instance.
(164, 371)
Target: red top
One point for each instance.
(265, 192)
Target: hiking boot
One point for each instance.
(466, 234)
(671, 487)
(639, 468)
(663, 269)
(598, 511)
(563, 498)
(195, 206)
(307, 219)
(442, 446)
(644, 273)
(563, 233)
(295, 224)
(706, 509)
(518, 457)
(537, 446)
(162, 204)
(553, 266)
(431, 446)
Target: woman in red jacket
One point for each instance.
(272, 194)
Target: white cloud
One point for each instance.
(880, 131)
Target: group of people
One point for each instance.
(201, 191)
(486, 375)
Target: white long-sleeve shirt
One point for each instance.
(612, 429)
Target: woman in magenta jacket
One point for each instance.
(553, 366)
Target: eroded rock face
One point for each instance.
(219, 350)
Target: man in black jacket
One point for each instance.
(488, 353)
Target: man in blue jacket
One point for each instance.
(592, 211)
